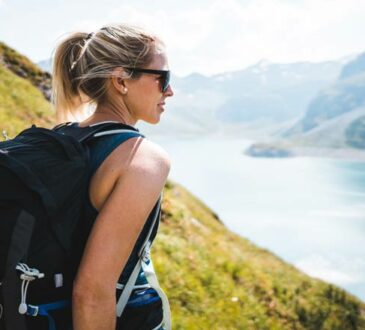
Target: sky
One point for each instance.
(204, 36)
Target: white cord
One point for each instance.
(28, 275)
(23, 307)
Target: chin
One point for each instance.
(154, 120)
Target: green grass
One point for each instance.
(21, 104)
(218, 280)
(21, 66)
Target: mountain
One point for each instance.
(233, 102)
(24, 93)
(357, 65)
(335, 117)
(24, 68)
(45, 65)
(355, 132)
(279, 91)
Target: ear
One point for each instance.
(119, 83)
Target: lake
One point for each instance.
(308, 211)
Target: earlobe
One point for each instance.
(121, 85)
(118, 82)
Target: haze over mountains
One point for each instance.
(333, 124)
(336, 116)
(306, 104)
(259, 98)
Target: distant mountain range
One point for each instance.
(334, 120)
(264, 95)
(307, 104)
(46, 65)
(336, 116)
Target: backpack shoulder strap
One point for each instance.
(100, 138)
(85, 134)
(102, 147)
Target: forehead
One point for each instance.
(159, 62)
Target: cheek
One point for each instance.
(147, 110)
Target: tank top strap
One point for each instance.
(100, 148)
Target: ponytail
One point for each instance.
(66, 96)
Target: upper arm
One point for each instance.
(122, 218)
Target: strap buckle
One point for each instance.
(146, 252)
(32, 310)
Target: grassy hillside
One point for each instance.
(218, 280)
(24, 93)
(21, 66)
(21, 104)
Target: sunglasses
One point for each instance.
(164, 76)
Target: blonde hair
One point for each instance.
(84, 62)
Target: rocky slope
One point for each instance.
(24, 68)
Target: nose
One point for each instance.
(169, 91)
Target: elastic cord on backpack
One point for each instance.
(28, 275)
(23, 304)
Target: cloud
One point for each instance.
(216, 36)
(212, 36)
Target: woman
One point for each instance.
(123, 70)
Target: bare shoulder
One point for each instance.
(143, 154)
(154, 153)
(137, 159)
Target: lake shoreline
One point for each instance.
(268, 151)
(345, 154)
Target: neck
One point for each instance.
(109, 113)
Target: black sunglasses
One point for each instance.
(165, 76)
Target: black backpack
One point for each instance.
(43, 186)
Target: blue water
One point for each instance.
(308, 211)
